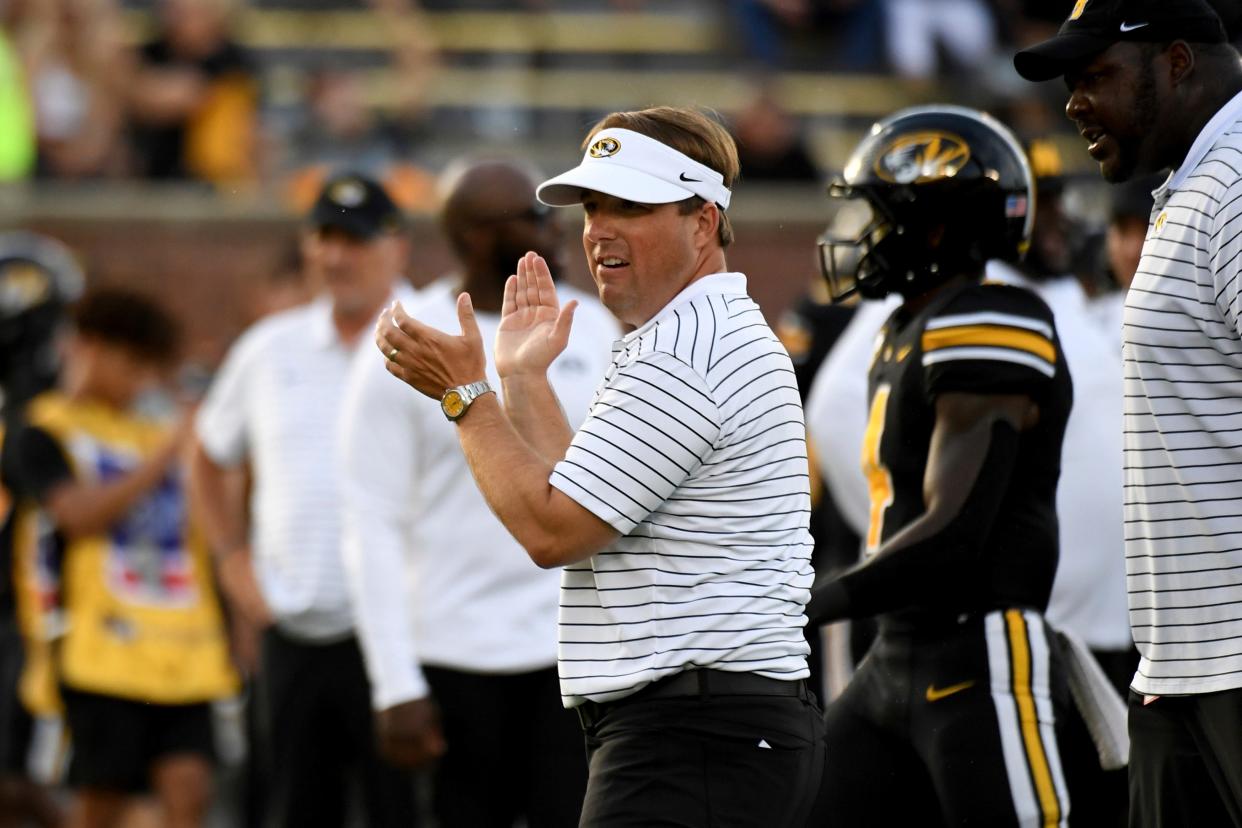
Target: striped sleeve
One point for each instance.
(652, 424)
(990, 339)
(1224, 249)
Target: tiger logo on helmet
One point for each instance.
(948, 189)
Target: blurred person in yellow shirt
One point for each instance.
(194, 99)
(114, 586)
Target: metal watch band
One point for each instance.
(470, 393)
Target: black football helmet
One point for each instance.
(39, 277)
(949, 188)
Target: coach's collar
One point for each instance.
(728, 284)
(1221, 122)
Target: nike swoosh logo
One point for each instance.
(935, 694)
(684, 178)
(1128, 27)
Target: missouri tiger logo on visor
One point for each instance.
(922, 157)
(605, 147)
(1079, 8)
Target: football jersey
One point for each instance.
(977, 339)
(130, 612)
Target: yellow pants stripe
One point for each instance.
(1036, 755)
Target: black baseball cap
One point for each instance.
(356, 204)
(1095, 25)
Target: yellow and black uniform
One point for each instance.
(956, 713)
(124, 627)
(15, 720)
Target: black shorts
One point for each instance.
(116, 741)
(16, 725)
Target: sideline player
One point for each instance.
(38, 278)
(954, 713)
(1155, 85)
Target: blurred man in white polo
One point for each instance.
(274, 406)
(679, 510)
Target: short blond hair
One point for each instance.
(690, 132)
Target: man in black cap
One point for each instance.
(1154, 85)
(273, 407)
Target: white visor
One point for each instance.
(635, 167)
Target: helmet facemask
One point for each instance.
(847, 249)
(917, 237)
(947, 189)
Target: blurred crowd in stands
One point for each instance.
(274, 94)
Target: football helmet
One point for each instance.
(39, 277)
(948, 188)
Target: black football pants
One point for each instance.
(969, 724)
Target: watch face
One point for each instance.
(452, 403)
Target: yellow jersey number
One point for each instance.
(879, 481)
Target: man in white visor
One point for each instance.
(678, 511)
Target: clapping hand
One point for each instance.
(429, 360)
(534, 328)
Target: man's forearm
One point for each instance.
(536, 414)
(929, 562)
(81, 509)
(513, 478)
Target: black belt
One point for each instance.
(695, 683)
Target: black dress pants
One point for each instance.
(317, 739)
(513, 751)
(1186, 761)
(714, 761)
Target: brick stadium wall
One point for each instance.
(210, 272)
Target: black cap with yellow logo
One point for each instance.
(356, 204)
(1095, 25)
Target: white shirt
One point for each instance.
(1183, 424)
(1088, 595)
(275, 402)
(836, 411)
(435, 578)
(695, 451)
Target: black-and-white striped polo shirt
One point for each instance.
(1183, 424)
(695, 450)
